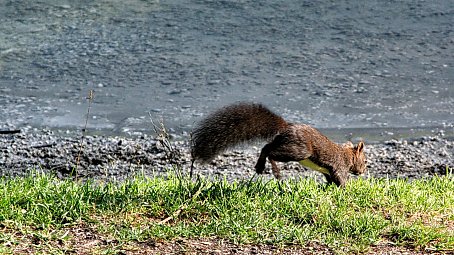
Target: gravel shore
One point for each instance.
(107, 158)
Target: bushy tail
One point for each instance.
(232, 125)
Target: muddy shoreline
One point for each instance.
(108, 158)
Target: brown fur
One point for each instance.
(243, 122)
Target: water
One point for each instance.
(374, 69)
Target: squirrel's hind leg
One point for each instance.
(276, 171)
(260, 165)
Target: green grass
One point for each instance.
(418, 214)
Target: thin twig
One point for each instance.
(7, 132)
(191, 146)
(182, 207)
(90, 98)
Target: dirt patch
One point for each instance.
(83, 239)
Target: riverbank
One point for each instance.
(67, 153)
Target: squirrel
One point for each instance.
(245, 122)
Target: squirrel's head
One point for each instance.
(359, 158)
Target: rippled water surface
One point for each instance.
(376, 67)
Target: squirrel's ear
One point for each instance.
(360, 147)
(348, 145)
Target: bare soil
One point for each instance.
(84, 239)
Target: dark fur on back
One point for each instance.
(232, 125)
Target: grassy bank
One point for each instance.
(40, 213)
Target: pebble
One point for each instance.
(108, 158)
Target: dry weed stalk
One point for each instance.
(163, 140)
(90, 98)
